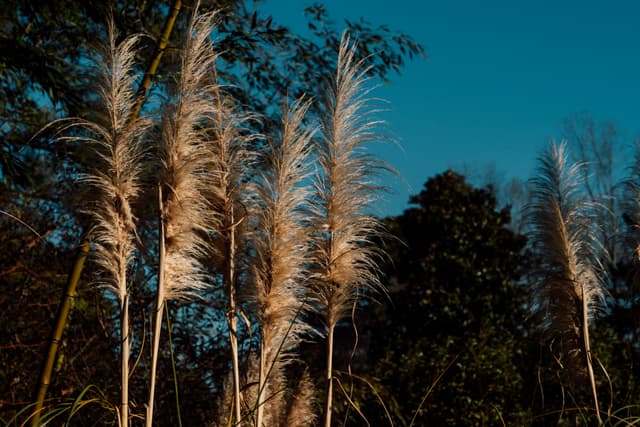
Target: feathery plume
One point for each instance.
(281, 247)
(569, 288)
(347, 260)
(185, 178)
(231, 161)
(118, 147)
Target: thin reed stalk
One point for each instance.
(184, 216)
(281, 253)
(569, 288)
(329, 376)
(159, 309)
(346, 260)
(230, 279)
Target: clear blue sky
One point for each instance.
(500, 78)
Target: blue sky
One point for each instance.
(500, 78)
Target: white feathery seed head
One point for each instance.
(281, 240)
(345, 253)
(117, 142)
(564, 237)
(232, 160)
(186, 176)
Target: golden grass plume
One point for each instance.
(281, 249)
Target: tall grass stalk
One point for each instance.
(117, 143)
(184, 215)
(231, 160)
(281, 253)
(345, 256)
(569, 288)
(115, 231)
(76, 272)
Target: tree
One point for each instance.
(452, 331)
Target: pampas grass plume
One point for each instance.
(118, 144)
(281, 246)
(184, 211)
(232, 159)
(569, 288)
(345, 256)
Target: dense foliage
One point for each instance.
(457, 304)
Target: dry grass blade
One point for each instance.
(569, 288)
(346, 258)
(15, 218)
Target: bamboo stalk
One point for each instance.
(153, 65)
(61, 321)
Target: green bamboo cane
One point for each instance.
(76, 272)
(63, 313)
(153, 66)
